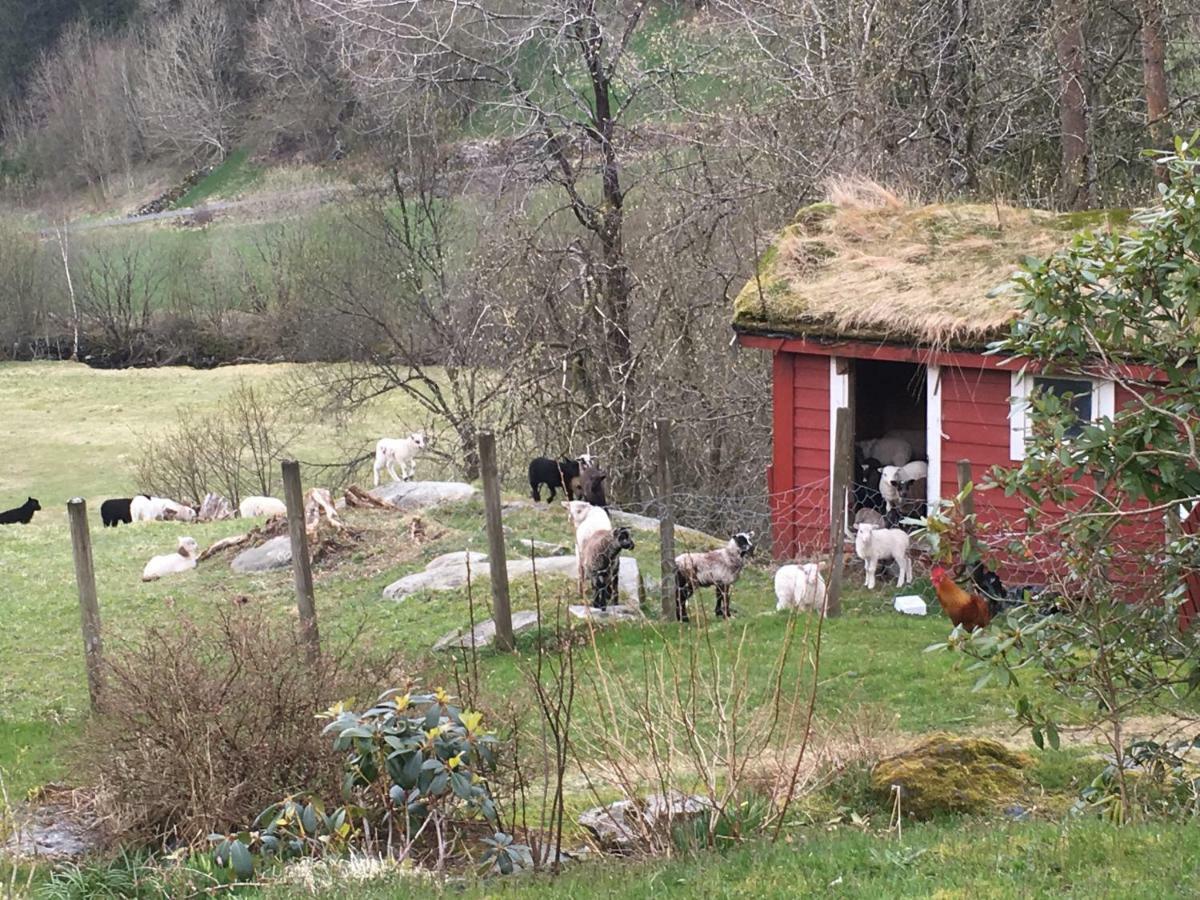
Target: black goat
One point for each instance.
(553, 473)
(22, 514)
(114, 512)
(591, 485)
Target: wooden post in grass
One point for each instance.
(497, 559)
(666, 521)
(968, 503)
(89, 607)
(293, 496)
(843, 457)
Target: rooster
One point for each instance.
(963, 608)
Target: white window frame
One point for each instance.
(1104, 395)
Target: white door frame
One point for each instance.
(839, 398)
(933, 434)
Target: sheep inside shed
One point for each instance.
(402, 452)
(181, 560)
(716, 568)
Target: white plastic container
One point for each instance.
(910, 605)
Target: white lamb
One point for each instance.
(402, 452)
(586, 520)
(800, 587)
(873, 544)
(891, 451)
(907, 472)
(250, 507)
(172, 563)
(151, 509)
(887, 486)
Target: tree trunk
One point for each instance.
(1154, 74)
(1073, 107)
(959, 93)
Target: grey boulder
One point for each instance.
(274, 554)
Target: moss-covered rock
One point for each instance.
(949, 774)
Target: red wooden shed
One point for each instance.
(886, 309)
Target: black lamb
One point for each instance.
(553, 473)
(22, 514)
(114, 512)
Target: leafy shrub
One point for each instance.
(417, 764)
(204, 725)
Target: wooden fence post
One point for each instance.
(666, 522)
(843, 455)
(497, 559)
(293, 496)
(89, 607)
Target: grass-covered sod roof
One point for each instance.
(870, 266)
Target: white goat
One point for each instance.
(890, 451)
(586, 520)
(402, 452)
(250, 507)
(873, 544)
(800, 587)
(172, 563)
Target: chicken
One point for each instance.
(963, 608)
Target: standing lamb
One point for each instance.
(20, 515)
(402, 452)
(873, 544)
(172, 563)
(601, 562)
(800, 587)
(587, 520)
(251, 507)
(591, 484)
(716, 568)
(115, 511)
(553, 473)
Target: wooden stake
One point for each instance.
(843, 456)
(497, 559)
(89, 607)
(293, 496)
(666, 522)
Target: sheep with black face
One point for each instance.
(716, 568)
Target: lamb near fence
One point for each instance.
(252, 507)
(800, 587)
(20, 515)
(554, 474)
(602, 564)
(716, 568)
(873, 544)
(587, 520)
(402, 452)
(172, 563)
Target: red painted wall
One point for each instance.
(799, 478)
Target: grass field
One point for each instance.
(73, 431)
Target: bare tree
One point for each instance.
(1073, 102)
(1154, 70)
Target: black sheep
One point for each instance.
(866, 483)
(553, 473)
(591, 483)
(114, 512)
(22, 514)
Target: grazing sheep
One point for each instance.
(22, 514)
(586, 520)
(716, 568)
(143, 508)
(250, 507)
(115, 511)
(591, 484)
(402, 452)
(555, 473)
(172, 563)
(800, 587)
(891, 451)
(601, 552)
(873, 544)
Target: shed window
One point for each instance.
(1091, 399)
